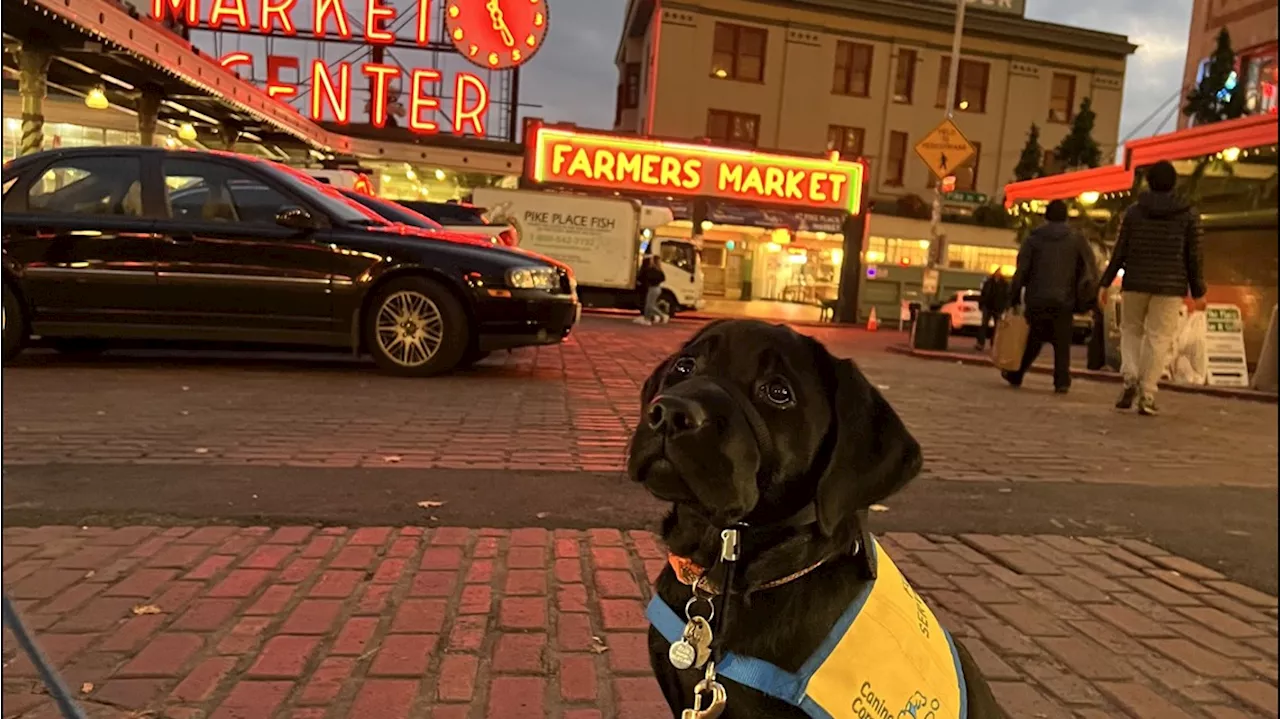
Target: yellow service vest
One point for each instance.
(886, 658)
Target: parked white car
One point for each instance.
(964, 311)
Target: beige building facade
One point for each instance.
(1252, 26)
(863, 77)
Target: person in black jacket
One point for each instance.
(1054, 264)
(1159, 251)
(650, 280)
(993, 300)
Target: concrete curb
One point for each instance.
(1095, 375)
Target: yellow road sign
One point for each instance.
(944, 149)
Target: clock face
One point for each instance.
(496, 34)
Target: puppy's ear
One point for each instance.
(872, 454)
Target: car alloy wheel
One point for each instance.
(409, 328)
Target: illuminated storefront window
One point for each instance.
(915, 253)
(403, 181)
(59, 134)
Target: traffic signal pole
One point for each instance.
(937, 243)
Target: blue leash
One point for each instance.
(60, 694)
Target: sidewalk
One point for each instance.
(382, 623)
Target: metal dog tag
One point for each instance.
(682, 655)
(698, 633)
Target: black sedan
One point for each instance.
(139, 243)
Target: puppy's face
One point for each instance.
(750, 421)
(732, 420)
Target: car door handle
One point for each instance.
(180, 238)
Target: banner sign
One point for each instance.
(1224, 345)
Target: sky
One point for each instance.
(573, 77)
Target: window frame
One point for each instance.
(631, 85)
(730, 116)
(906, 97)
(1071, 98)
(847, 54)
(844, 132)
(965, 63)
(737, 33)
(899, 164)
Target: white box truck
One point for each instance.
(602, 239)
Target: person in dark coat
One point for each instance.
(993, 300)
(650, 280)
(1159, 250)
(1054, 263)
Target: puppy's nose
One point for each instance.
(675, 415)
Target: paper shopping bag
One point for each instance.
(1010, 341)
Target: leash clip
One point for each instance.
(719, 698)
(729, 545)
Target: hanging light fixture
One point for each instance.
(187, 131)
(97, 99)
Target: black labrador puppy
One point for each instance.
(754, 425)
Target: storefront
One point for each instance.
(768, 226)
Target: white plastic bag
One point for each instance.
(1190, 360)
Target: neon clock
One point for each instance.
(496, 34)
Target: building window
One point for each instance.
(904, 78)
(853, 69)
(733, 128)
(738, 52)
(972, 184)
(845, 140)
(631, 86)
(971, 85)
(896, 165)
(1062, 99)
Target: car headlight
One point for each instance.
(533, 278)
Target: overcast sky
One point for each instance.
(574, 80)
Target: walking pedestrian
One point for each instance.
(650, 280)
(1054, 264)
(1158, 249)
(993, 300)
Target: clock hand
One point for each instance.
(499, 23)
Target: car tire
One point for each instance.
(14, 323)
(398, 328)
(668, 304)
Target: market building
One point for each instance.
(866, 79)
(1252, 27)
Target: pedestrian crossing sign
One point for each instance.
(945, 149)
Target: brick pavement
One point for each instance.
(306, 623)
(570, 408)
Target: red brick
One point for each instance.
(480, 572)
(1221, 622)
(1214, 641)
(990, 663)
(419, 616)
(73, 597)
(150, 547)
(404, 655)
(244, 636)
(569, 570)
(1021, 700)
(519, 653)
(164, 656)
(208, 535)
(327, 680)
(403, 547)
(632, 690)
(573, 632)
(610, 558)
(571, 598)
(44, 583)
(268, 556)
(451, 536)
(133, 633)
(527, 558)
(577, 678)
(1141, 701)
(375, 599)
(622, 614)
(485, 548)
(355, 635)
(298, 571)
(253, 700)
(617, 583)
(516, 697)
(530, 537)
(389, 571)
(385, 698)
(240, 583)
(567, 549)
(57, 648)
(206, 615)
(86, 558)
(605, 537)
(374, 536)
(526, 582)
(178, 556)
(451, 711)
(653, 568)
(1198, 659)
(318, 547)
(468, 633)
(1187, 567)
(1248, 595)
(522, 613)
(128, 693)
(210, 567)
(1161, 592)
(1086, 658)
(628, 652)
(238, 544)
(337, 583)
(1005, 638)
(1239, 610)
(273, 600)
(1260, 695)
(201, 683)
(351, 557)
(290, 535)
(284, 656)
(441, 558)
(433, 584)
(457, 677)
(1129, 621)
(476, 599)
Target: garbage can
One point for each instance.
(931, 331)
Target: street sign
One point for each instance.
(929, 283)
(1224, 344)
(962, 197)
(944, 149)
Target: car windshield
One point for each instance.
(448, 213)
(326, 196)
(391, 211)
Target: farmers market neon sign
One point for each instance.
(615, 162)
(472, 26)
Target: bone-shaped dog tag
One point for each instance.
(698, 633)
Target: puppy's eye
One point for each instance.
(777, 392)
(684, 366)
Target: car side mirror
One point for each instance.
(295, 218)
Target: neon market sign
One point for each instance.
(491, 34)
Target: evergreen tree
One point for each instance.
(1078, 149)
(1212, 100)
(1029, 167)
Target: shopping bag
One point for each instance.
(1190, 363)
(1011, 340)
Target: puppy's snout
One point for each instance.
(674, 416)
